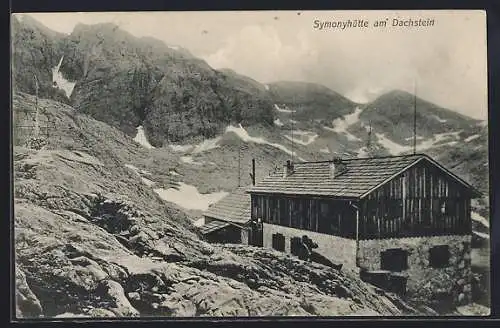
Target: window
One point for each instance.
(295, 245)
(284, 212)
(278, 242)
(295, 214)
(273, 204)
(443, 207)
(394, 259)
(323, 224)
(439, 256)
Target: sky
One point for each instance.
(445, 63)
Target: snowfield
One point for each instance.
(266, 86)
(325, 150)
(141, 139)
(188, 197)
(60, 81)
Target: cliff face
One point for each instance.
(127, 81)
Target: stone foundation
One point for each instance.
(336, 249)
(450, 284)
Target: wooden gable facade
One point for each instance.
(421, 200)
(371, 198)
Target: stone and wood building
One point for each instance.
(401, 221)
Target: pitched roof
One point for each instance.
(213, 226)
(362, 175)
(234, 208)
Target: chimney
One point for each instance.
(336, 167)
(287, 169)
(332, 170)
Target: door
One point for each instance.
(257, 233)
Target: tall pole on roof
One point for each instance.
(292, 128)
(414, 117)
(239, 163)
(37, 126)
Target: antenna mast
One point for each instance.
(369, 141)
(239, 164)
(414, 117)
(37, 114)
(292, 131)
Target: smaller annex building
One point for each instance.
(228, 220)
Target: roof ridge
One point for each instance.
(366, 158)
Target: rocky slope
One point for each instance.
(92, 240)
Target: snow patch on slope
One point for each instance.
(284, 109)
(302, 137)
(478, 218)
(206, 145)
(362, 152)
(341, 124)
(60, 82)
(325, 150)
(418, 138)
(243, 134)
(278, 122)
(395, 148)
(138, 171)
(180, 148)
(188, 197)
(141, 139)
(482, 234)
(200, 222)
(173, 172)
(266, 86)
(473, 137)
(190, 160)
(440, 120)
